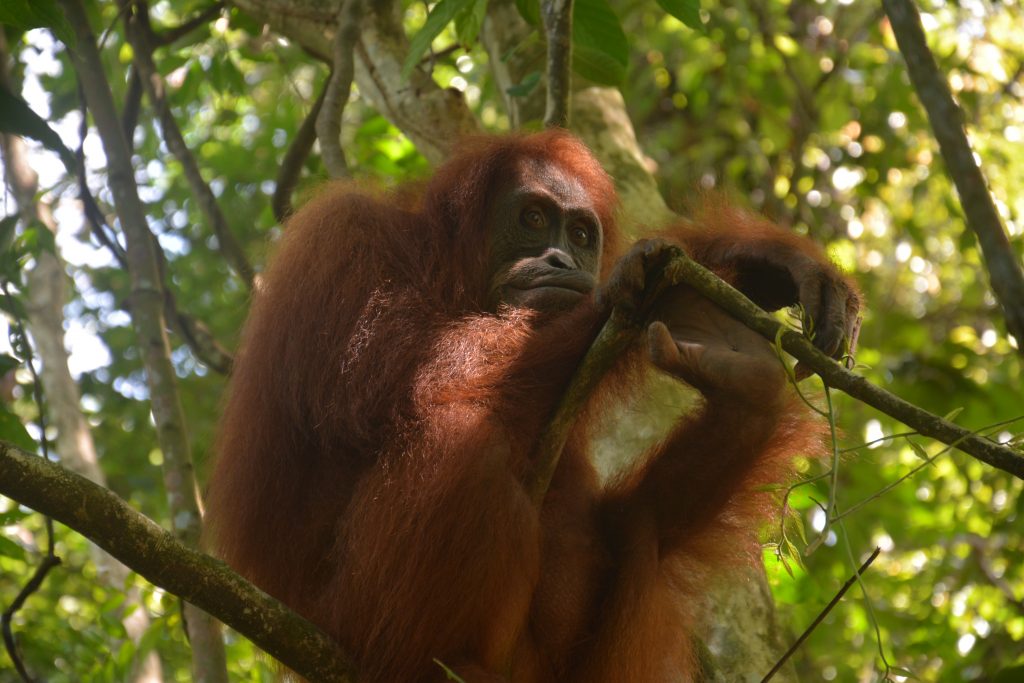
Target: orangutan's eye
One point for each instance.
(533, 219)
(580, 236)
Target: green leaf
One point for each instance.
(686, 11)
(37, 239)
(26, 14)
(9, 548)
(900, 671)
(525, 86)
(13, 306)
(13, 516)
(18, 118)
(469, 21)
(529, 10)
(13, 431)
(919, 451)
(600, 47)
(7, 226)
(951, 415)
(7, 363)
(440, 16)
(784, 558)
(597, 66)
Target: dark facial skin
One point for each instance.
(545, 249)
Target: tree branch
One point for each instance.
(193, 332)
(131, 108)
(947, 119)
(682, 269)
(339, 87)
(621, 330)
(148, 549)
(140, 35)
(433, 118)
(147, 309)
(291, 166)
(557, 18)
(821, 615)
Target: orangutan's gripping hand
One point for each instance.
(628, 286)
(696, 341)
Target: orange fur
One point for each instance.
(379, 424)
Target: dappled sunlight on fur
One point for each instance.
(381, 422)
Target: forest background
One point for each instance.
(800, 109)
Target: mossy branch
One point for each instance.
(148, 549)
(620, 331)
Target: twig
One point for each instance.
(152, 552)
(198, 338)
(132, 105)
(614, 338)
(149, 323)
(339, 86)
(821, 616)
(97, 222)
(946, 120)
(557, 18)
(50, 559)
(980, 551)
(683, 269)
(194, 333)
(867, 599)
(140, 35)
(1007, 88)
(917, 468)
(621, 330)
(294, 159)
(833, 489)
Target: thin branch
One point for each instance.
(132, 106)
(821, 616)
(339, 87)
(50, 559)
(198, 338)
(979, 550)
(557, 18)
(93, 215)
(929, 460)
(140, 35)
(621, 330)
(1007, 88)
(294, 159)
(833, 488)
(685, 270)
(194, 333)
(145, 547)
(867, 600)
(149, 323)
(48, 562)
(617, 335)
(947, 121)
